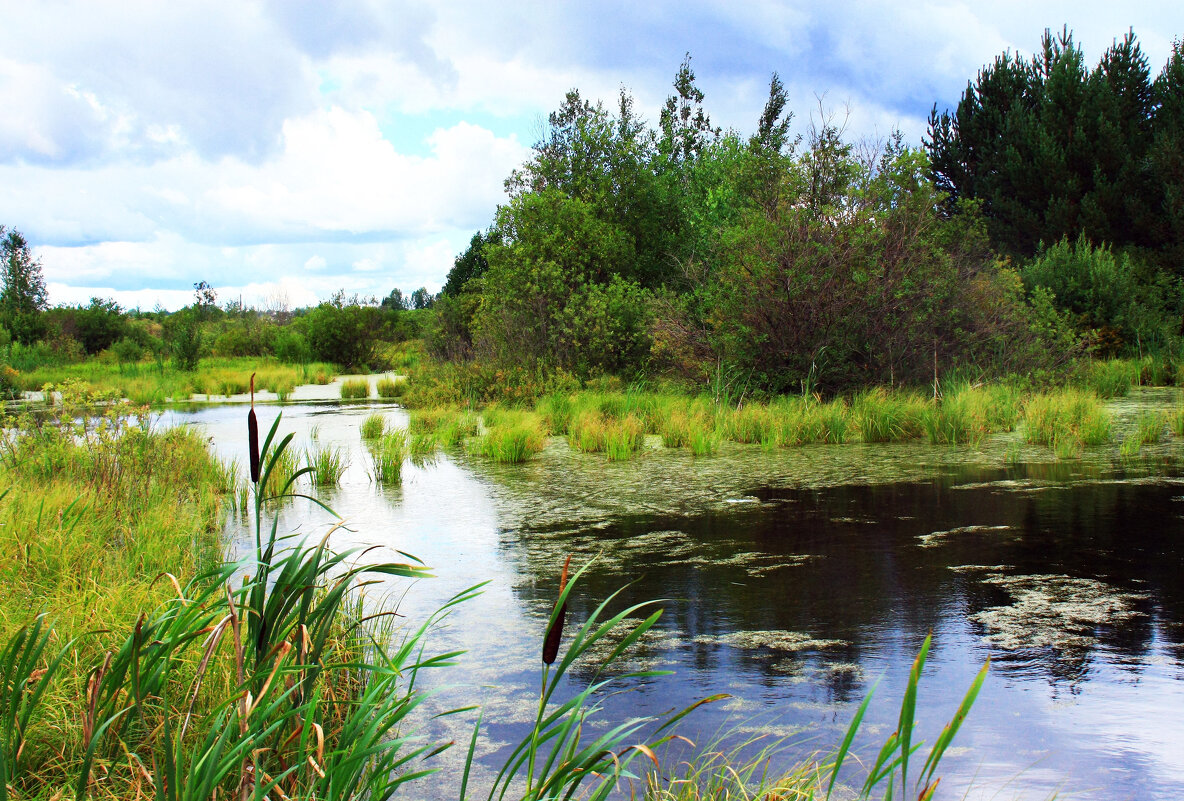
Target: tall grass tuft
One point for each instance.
(623, 438)
(1112, 378)
(373, 427)
(881, 416)
(328, 464)
(510, 443)
(459, 427)
(355, 389)
(390, 388)
(388, 454)
(1070, 415)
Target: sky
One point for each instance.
(284, 150)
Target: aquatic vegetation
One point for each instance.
(1067, 419)
(422, 447)
(457, 428)
(623, 438)
(1053, 611)
(1112, 378)
(328, 464)
(389, 388)
(586, 432)
(355, 389)
(752, 423)
(1149, 427)
(388, 454)
(556, 410)
(373, 426)
(510, 443)
(882, 416)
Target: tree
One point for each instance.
(23, 297)
(470, 264)
(685, 125)
(421, 298)
(395, 300)
(345, 333)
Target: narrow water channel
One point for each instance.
(795, 579)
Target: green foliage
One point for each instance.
(554, 294)
(99, 325)
(185, 339)
(343, 333)
(469, 265)
(23, 297)
(291, 347)
(389, 453)
(1119, 299)
(391, 387)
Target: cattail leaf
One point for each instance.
(555, 632)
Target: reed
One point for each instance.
(749, 424)
(1149, 427)
(327, 464)
(373, 427)
(355, 389)
(1176, 421)
(459, 427)
(388, 454)
(556, 410)
(675, 430)
(586, 432)
(704, 441)
(422, 448)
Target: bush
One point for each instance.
(291, 347)
(343, 334)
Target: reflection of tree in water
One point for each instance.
(1067, 570)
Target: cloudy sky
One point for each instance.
(282, 150)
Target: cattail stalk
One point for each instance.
(555, 632)
(253, 436)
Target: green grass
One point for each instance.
(390, 388)
(882, 416)
(373, 427)
(1112, 378)
(355, 389)
(623, 439)
(422, 448)
(388, 454)
(328, 464)
(1067, 420)
(510, 443)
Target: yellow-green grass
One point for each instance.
(511, 435)
(883, 416)
(1112, 378)
(355, 389)
(969, 414)
(373, 427)
(91, 527)
(1067, 421)
(389, 388)
(148, 383)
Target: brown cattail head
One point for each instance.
(555, 633)
(253, 436)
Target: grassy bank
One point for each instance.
(147, 383)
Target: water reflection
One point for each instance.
(797, 578)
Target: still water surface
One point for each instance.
(797, 578)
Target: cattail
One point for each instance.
(555, 633)
(253, 435)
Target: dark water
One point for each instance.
(796, 579)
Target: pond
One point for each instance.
(796, 579)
